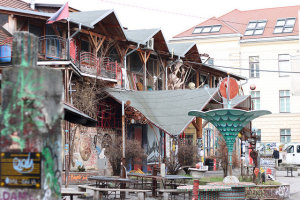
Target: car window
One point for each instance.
(290, 149)
(298, 148)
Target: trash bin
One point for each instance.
(210, 163)
(5, 53)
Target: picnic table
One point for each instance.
(168, 180)
(103, 182)
(71, 192)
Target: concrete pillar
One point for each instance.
(30, 129)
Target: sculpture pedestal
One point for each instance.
(231, 179)
(198, 173)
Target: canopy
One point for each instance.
(167, 109)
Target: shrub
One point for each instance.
(133, 151)
(187, 154)
(172, 164)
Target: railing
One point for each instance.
(89, 63)
(53, 47)
(6, 50)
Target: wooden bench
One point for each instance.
(71, 192)
(165, 193)
(98, 192)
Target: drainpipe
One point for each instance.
(79, 29)
(125, 64)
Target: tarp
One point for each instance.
(168, 109)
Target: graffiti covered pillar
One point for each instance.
(30, 154)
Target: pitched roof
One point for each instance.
(168, 109)
(237, 21)
(141, 36)
(15, 4)
(180, 49)
(89, 18)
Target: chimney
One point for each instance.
(32, 4)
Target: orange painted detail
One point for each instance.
(233, 89)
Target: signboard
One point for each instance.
(20, 170)
(268, 164)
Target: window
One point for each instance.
(255, 96)
(254, 66)
(284, 100)
(255, 28)
(285, 25)
(284, 64)
(258, 135)
(285, 136)
(207, 29)
(298, 148)
(210, 61)
(290, 149)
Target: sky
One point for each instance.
(172, 16)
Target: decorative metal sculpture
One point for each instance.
(229, 121)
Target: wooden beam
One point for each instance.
(100, 44)
(54, 27)
(90, 33)
(196, 125)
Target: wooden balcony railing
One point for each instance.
(52, 47)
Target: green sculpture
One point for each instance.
(229, 122)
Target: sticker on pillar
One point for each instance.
(20, 170)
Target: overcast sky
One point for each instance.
(172, 16)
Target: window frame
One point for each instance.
(286, 135)
(284, 26)
(281, 61)
(210, 31)
(285, 97)
(254, 98)
(255, 28)
(256, 71)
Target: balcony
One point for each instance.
(53, 50)
(52, 47)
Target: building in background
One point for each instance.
(261, 45)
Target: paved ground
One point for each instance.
(280, 176)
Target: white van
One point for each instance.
(291, 154)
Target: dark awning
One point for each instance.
(75, 116)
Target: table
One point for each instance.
(71, 192)
(167, 180)
(102, 181)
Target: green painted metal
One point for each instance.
(229, 122)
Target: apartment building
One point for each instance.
(262, 45)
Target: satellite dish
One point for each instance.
(233, 87)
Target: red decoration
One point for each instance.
(269, 171)
(256, 171)
(233, 88)
(252, 87)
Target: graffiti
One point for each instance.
(274, 192)
(16, 195)
(283, 191)
(51, 182)
(23, 165)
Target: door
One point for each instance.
(290, 154)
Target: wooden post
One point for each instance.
(123, 162)
(31, 118)
(199, 120)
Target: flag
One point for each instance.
(62, 13)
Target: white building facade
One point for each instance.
(260, 45)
